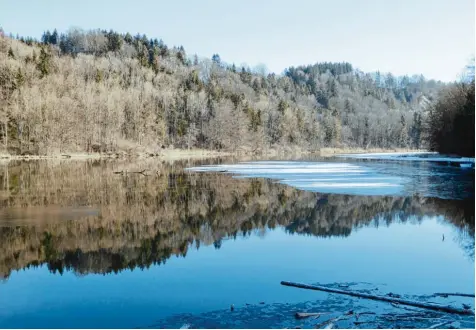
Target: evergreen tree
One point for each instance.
(44, 63)
(378, 79)
(20, 78)
(182, 57)
(216, 59)
(128, 38)
(322, 98)
(54, 38)
(164, 51)
(256, 85)
(366, 134)
(347, 106)
(403, 138)
(264, 83)
(114, 41)
(143, 55)
(332, 87)
(416, 130)
(46, 37)
(245, 76)
(282, 106)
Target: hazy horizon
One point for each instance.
(433, 38)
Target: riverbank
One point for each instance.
(166, 154)
(184, 154)
(329, 152)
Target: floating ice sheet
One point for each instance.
(412, 156)
(340, 178)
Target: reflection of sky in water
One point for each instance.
(404, 258)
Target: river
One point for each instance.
(180, 243)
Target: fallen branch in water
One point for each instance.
(305, 315)
(407, 318)
(443, 294)
(397, 305)
(357, 315)
(439, 325)
(131, 172)
(447, 309)
(363, 322)
(330, 322)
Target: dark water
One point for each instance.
(83, 247)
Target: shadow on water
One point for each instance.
(81, 217)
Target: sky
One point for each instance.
(435, 38)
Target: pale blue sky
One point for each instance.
(432, 37)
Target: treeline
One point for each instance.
(81, 216)
(105, 91)
(451, 121)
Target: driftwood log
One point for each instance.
(305, 315)
(440, 325)
(131, 172)
(330, 323)
(443, 294)
(440, 308)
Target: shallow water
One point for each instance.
(83, 247)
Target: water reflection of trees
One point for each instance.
(82, 217)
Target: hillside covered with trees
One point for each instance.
(85, 91)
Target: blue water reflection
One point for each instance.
(194, 242)
(408, 258)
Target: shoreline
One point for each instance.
(329, 152)
(168, 154)
(184, 154)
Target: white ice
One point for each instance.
(341, 178)
(411, 156)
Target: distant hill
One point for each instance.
(104, 91)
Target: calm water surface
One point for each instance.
(82, 247)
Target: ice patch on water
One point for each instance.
(411, 156)
(391, 154)
(343, 178)
(353, 185)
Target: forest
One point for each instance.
(103, 91)
(450, 123)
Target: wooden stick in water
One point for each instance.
(443, 294)
(305, 315)
(447, 309)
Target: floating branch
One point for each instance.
(440, 325)
(331, 322)
(447, 309)
(443, 294)
(305, 315)
(131, 172)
